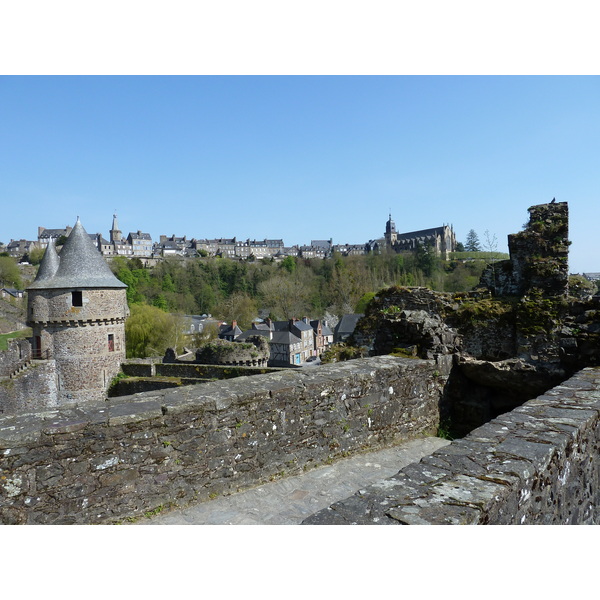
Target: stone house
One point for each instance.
(225, 247)
(285, 349)
(174, 246)
(18, 248)
(257, 249)
(323, 336)
(351, 249)
(229, 332)
(292, 342)
(141, 244)
(45, 236)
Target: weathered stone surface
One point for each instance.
(526, 467)
(107, 461)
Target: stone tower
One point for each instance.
(391, 235)
(115, 232)
(77, 310)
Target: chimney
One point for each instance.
(233, 324)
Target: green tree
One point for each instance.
(239, 307)
(36, 255)
(161, 302)
(10, 276)
(210, 332)
(362, 304)
(149, 331)
(289, 264)
(472, 244)
(285, 298)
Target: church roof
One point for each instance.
(80, 265)
(423, 233)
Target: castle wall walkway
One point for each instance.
(538, 464)
(103, 462)
(290, 500)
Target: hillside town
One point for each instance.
(295, 341)
(141, 245)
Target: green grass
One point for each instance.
(485, 256)
(4, 337)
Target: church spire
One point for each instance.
(115, 232)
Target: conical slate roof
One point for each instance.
(80, 265)
(49, 264)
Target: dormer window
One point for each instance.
(77, 298)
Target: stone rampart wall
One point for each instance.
(17, 355)
(104, 462)
(208, 371)
(191, 370)
(538, 464)
(33, 388)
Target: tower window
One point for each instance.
(77, 298)
(111, 342)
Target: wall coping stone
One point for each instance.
(539, 463)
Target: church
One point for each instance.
(441, 239)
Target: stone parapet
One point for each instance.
(539, 464)
(103, 462)
(15, 357)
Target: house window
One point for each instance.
(77, 298)
(111, 342)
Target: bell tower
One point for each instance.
(115, 233)
(391, 235)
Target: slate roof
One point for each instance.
(592, 276)
(326, 330)
(139, 236)
(252, 332)
(53, 233)
(347, 324)
(302, 326)
(49, 264)
(423, 233)
(80, 265)
(229, 330)
(13, 292)
(285, 337)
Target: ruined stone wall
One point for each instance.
(32, 388)
(15, 357)
(102, 462)
(538, 256)
(539, 464)
(255, 352)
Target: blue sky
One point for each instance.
(299, 157)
